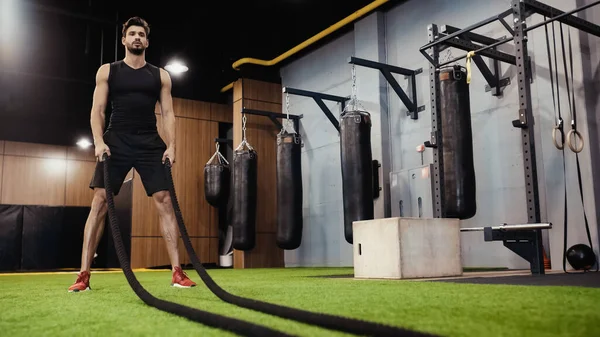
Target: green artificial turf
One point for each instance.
(39, 305)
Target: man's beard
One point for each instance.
(136, 51)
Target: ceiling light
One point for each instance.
(176, 67)
(84, 143)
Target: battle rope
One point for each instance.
(327, 321)
(237, 326)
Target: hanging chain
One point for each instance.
(287, 105)
(217, 154)
(217, 150)
(244, 141)
(354, 94)
(288, 124)
(244, 127)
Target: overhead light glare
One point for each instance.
(176, 67)
(84, 143)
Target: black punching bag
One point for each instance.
(216, 181)
(357, 168)
(244, 199)
(289, 191)
(457, 144)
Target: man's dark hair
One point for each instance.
(136, 21)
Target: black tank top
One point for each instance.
(133, 94)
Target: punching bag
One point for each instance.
(357, 168)
(216, 180)
(289, 190)
(458, 169)
(244, 198)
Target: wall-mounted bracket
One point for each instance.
(273, 116)
(319, 97)
(387, 70)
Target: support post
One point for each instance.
(434, 143)
(525, 122)
(319, 97)
(387, 70)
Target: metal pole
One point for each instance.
(505, 227)
(437, 186)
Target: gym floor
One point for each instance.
(480, 303)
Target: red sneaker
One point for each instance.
(181, 280)
(82, 283)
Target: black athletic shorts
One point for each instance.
(142, 150)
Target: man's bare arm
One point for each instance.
(99, 104)
(166, 107)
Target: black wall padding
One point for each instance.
(457, 144)
(71, 237)
(11, 228)
(42, 229)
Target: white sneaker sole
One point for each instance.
(79, 291)
(177, 285)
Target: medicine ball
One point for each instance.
(581, 256)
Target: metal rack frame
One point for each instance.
(464, 39)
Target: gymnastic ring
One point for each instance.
(558, 146)
(577, 135)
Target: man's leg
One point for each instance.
(170, 232)
(168, 225)
(120, 164)
(94, 227)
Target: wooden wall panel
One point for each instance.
(78, 177)
(41, 174)
(33, 181)
(262, 135)
(221, 113)
(77, 153)
(261, 91)
(191, 109)
(35, 150)
(1, 175)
